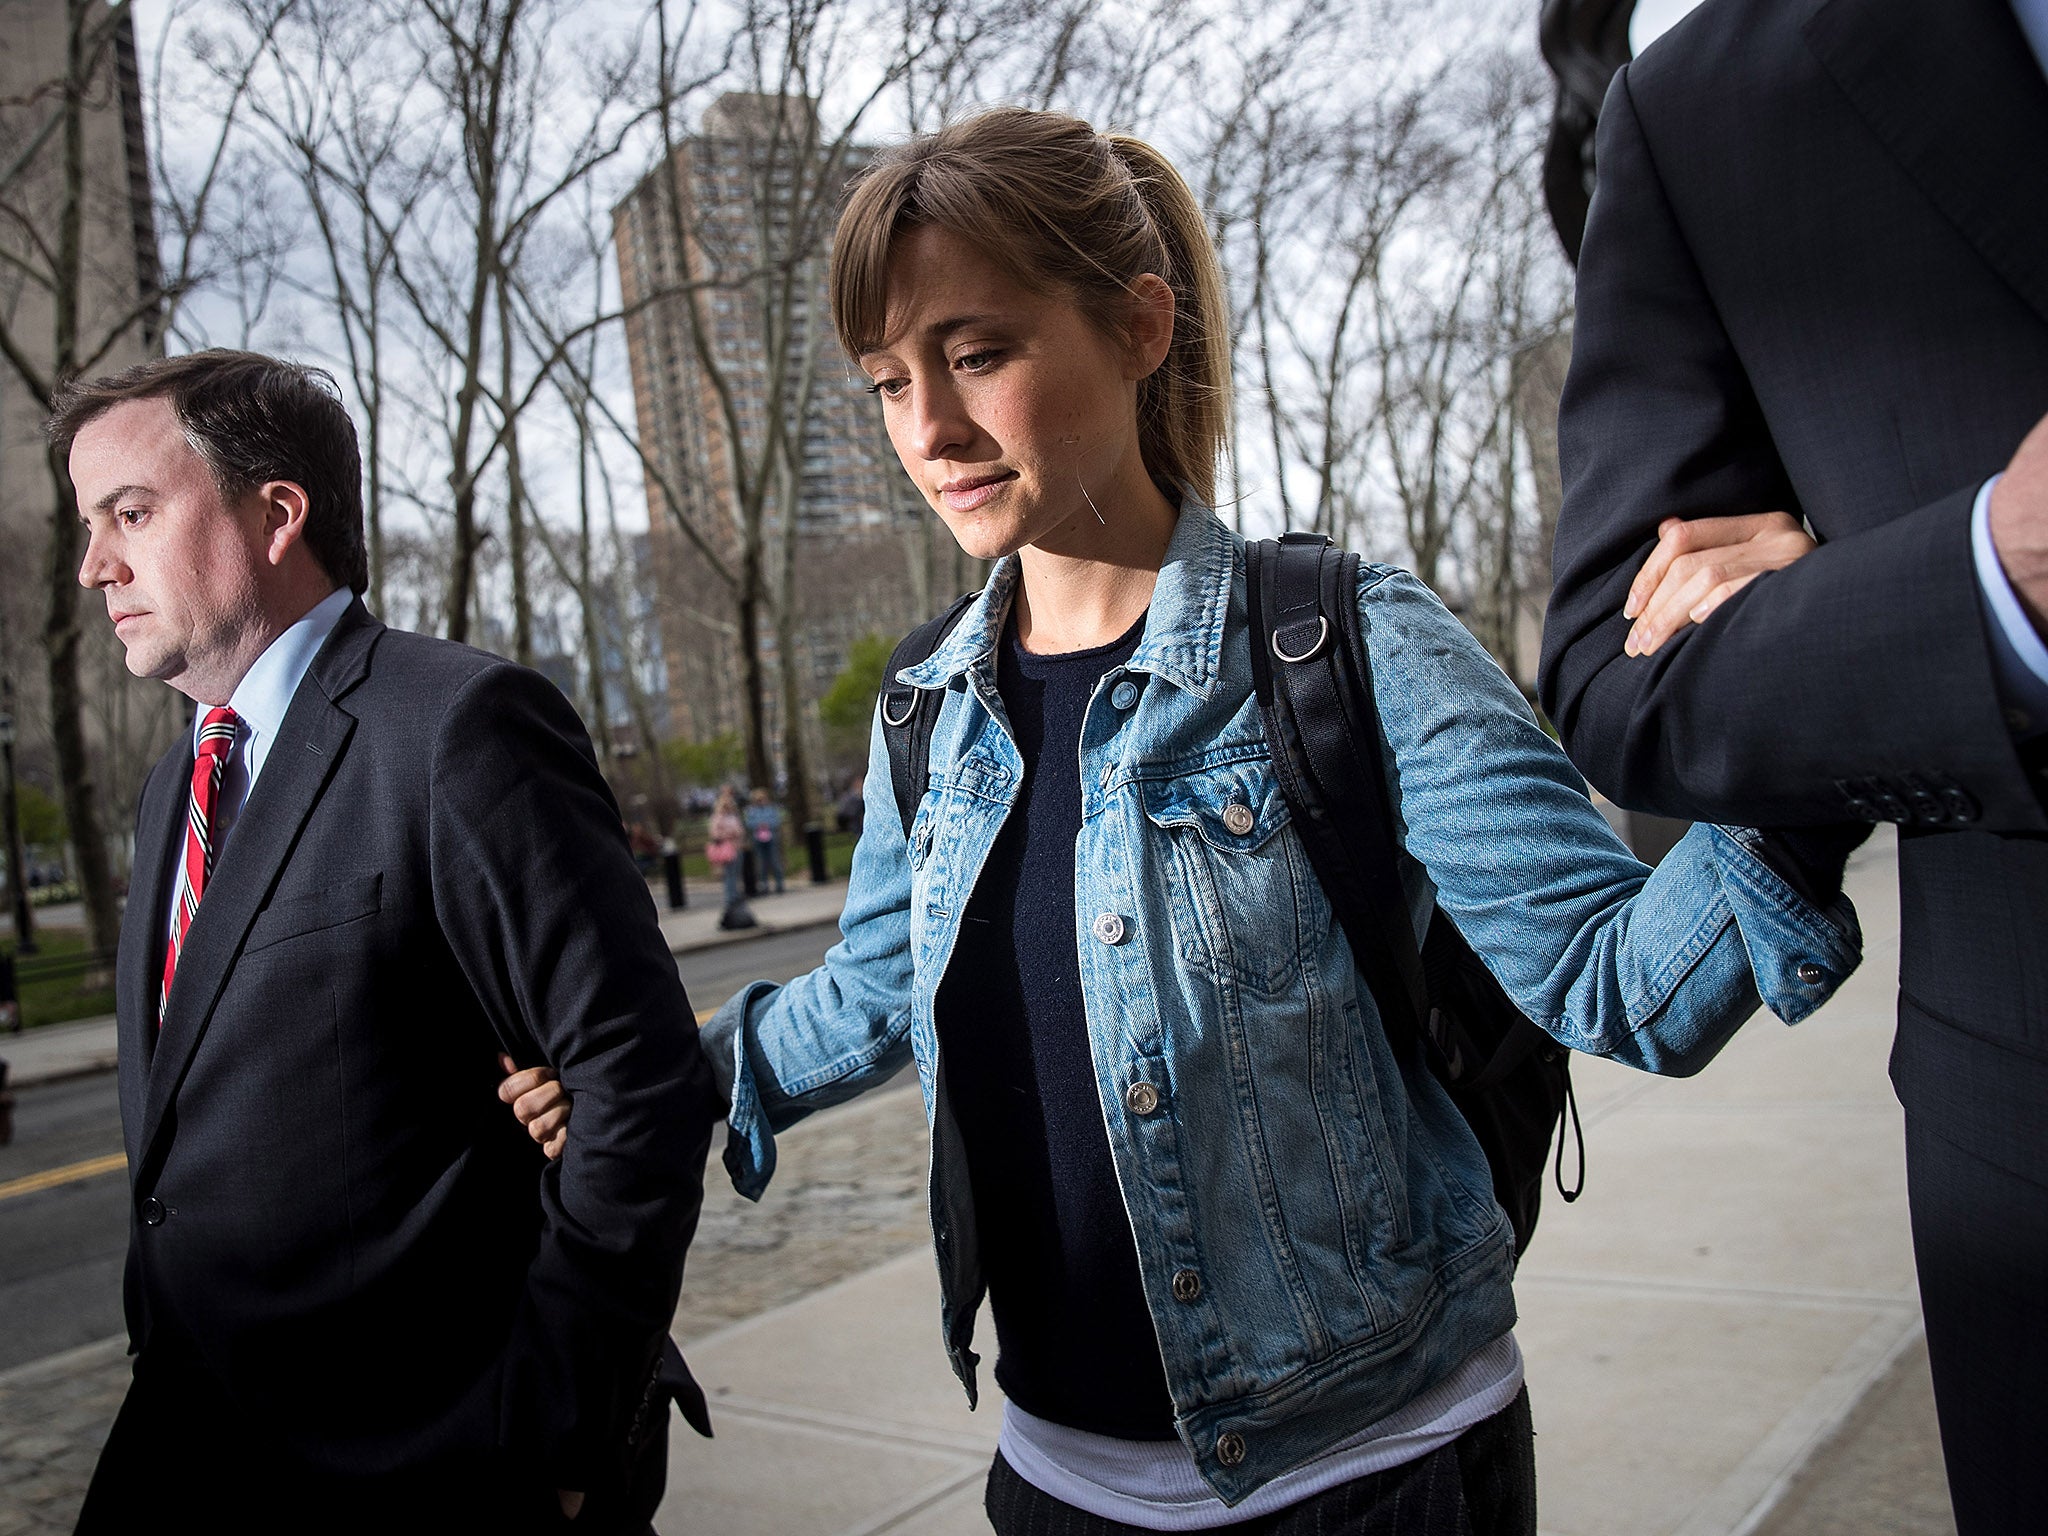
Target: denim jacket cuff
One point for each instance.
(1798, 952)
(749, 1142)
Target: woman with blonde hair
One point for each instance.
(725, 845)
(1243, 1255)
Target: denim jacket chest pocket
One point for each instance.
(1244, 904)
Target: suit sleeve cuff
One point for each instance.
(2019, 659)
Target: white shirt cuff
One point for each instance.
(2019, 659)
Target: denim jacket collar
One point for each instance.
(1183, 641)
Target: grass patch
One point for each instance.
(76, 988)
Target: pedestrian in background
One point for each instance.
(764, 820)
(724, 846)
(852, 806)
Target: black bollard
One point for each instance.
(672, 866)
(814, 845)
(750, 869)
(6, 1108)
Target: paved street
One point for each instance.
(61, 1248)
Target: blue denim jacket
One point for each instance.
(1327, 1213)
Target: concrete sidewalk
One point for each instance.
(55, 1052)
(1735, 1281)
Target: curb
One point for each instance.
(69, 1362)
(70, 1074)
(761, 930)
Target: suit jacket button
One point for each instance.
(1961, 804)
(153, 1212)
(1927, 806)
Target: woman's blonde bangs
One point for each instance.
(860, 256)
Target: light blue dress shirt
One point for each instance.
(260, 701)
(2033, 18)
(2019, 660)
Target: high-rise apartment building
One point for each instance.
(744, 211)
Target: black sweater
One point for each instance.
(1076, 1344)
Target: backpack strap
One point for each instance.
(1315, 693)
(910, 715)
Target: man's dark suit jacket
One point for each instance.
(1815, 279)
(341, 1239)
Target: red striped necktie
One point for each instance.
(195, 864)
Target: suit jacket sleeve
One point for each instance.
(551, 922)
(1859, 672)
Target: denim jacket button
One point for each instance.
(1142, 1099)
(1237, 819)
(1187, 1286)
(1230, 1448)
(1109, 928)
(1124, 694)
(1812, 974)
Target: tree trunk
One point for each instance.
(60, 628)
(515, 491)
(753, 690)
(796, 759)
(586, 592)
(67, 709)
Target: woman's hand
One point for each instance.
(1701, 562)
(540, 1101)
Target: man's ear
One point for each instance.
(1150, 328)
(285, 506)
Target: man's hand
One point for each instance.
(572, 1501)
(541, 1104)
(2019, 524)
(1699, 563)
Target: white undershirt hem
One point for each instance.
(1155, 1484)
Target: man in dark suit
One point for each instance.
(358, 1295)
(1815, 280)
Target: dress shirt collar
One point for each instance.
(2033, 19)
(265, 691)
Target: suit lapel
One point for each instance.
(145, 923)
(1955, 93)
(295, 773)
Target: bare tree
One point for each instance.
(75, 302)
(340, 107)
(506, 103)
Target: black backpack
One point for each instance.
(1510, 1079)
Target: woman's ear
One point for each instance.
(1150, 329)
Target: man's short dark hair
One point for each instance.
(253, 419)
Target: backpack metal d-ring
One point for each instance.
(1322, 639)
(890, 716)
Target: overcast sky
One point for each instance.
(1652, 17)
